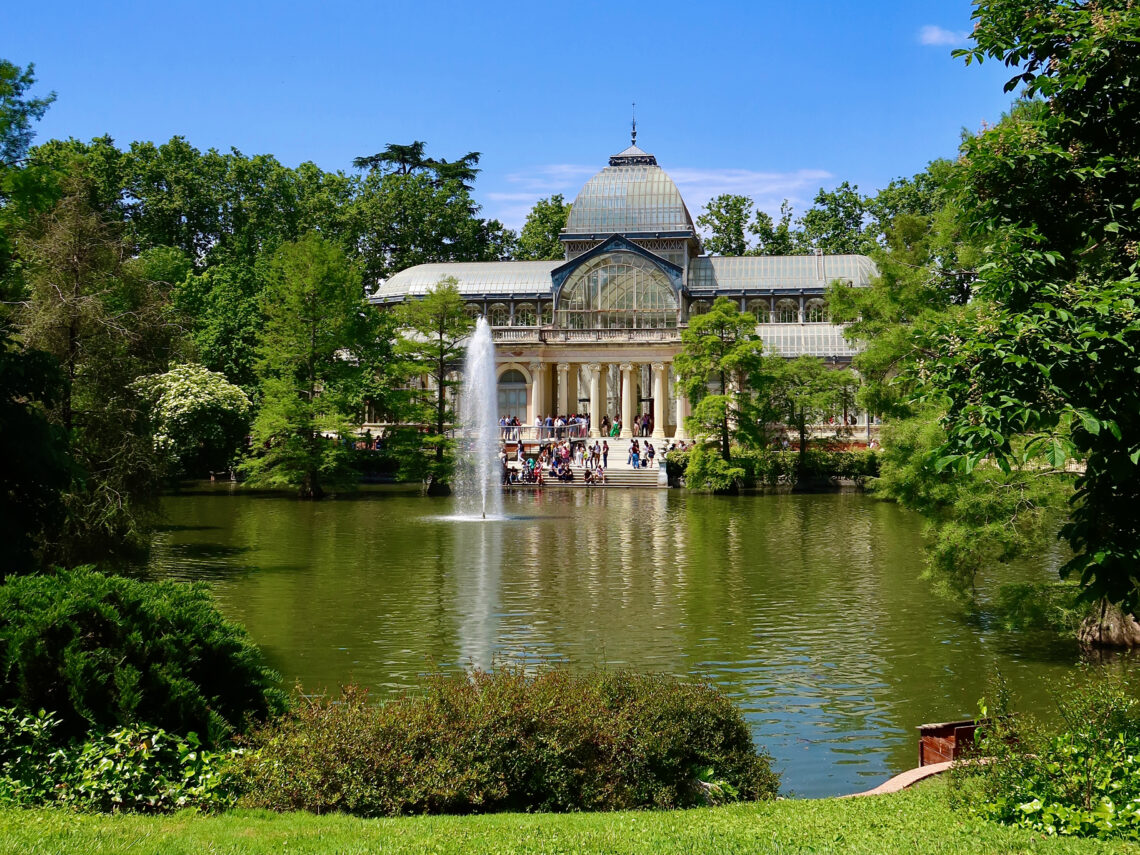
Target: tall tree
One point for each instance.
(1045, 359)
(103, 315)
(806, 392)
(725, 220)
(538, 240)
(434, 331)
(776, 237)
(835, 223)
(315, 329)
(720, 367)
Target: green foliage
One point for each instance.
(538, 240)
(199, 418)
(836, 222)
(37, 469)
(725, 219)
(224, 304)
(135, 769)
(104, 318)
(433, 332)
(317, 328)
(720, 367)
(710, 471)
(1050, 353)
(553, 741)
(763, 468)
(804, 391)
(975, 520)
(1081, 778)
(105, 651)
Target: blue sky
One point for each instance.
(770, 99)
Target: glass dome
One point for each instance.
(632, 195)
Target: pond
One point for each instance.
(809, 610)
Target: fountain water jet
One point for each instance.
(478, 493)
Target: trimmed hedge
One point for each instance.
(105, 651)
(554, 741)
(773, 468)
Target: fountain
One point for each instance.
(478, 491)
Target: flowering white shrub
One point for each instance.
(199, 418)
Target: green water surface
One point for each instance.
(808, 610)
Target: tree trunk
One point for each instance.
(1107, 626)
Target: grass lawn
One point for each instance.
(914, 822)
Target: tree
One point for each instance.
(776, 238)
(835, 222)
(37, 468)
(725, 218)
(198, 417)
(431, 345)
(1044, 363)
(103, 316)
(720, 367)
(315, 326)
(538, 240)
(804, 391)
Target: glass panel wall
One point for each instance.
(619, 290)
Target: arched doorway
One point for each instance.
(512, 394)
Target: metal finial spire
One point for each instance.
(633, 135)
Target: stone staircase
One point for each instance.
(619, 473)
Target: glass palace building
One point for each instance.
(597, 332)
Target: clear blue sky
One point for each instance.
(771, 99)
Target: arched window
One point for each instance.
(815, 311)
(698, 307)
(759, 310)
(787, 312)
(512, 394)
(524, 315)
(472, 310)
(498, 315)
(619, 290)
(547, 317)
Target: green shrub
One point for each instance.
(554, 741)
(129, 769)
(764, 468)
(105, 651)
(1080, 778)
(707, 470)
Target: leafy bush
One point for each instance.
(129, 769)
(707, 470)
(199, 418)
(1080, 779)
(104, 651)
(771, 468)
(555, 741)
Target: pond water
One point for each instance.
(807, 609)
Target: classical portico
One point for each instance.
(597, 331)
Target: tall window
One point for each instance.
(815, 311)
(512, 394)
(787, 312)
(619, 290)
(498, 315)
(759, 310)
(698, 307)
(524, 315)
(472, 310)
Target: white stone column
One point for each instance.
(660, 398)
(536, 392)
(564, 407)
(597, 395)
(682, 412)
(626, 399)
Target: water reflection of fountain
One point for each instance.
(477, 590)
(477, 490)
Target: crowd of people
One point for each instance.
(563, 450)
